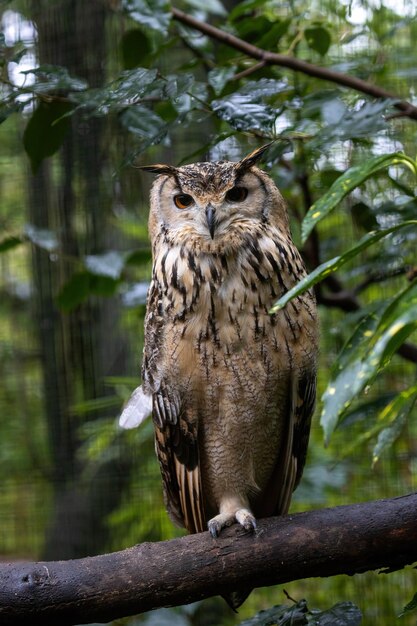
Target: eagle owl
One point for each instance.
(231, 386)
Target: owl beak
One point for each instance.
(211, 220)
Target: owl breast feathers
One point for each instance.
(232, 386)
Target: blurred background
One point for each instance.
(75, 258)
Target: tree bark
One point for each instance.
(342, 540)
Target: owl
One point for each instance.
(231, 386)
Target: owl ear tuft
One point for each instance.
(159, 168)
(252, 158)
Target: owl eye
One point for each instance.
(183, 200)
(237, 194)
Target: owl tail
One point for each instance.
(236, 598)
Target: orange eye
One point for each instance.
(237, 194)
(183, 200)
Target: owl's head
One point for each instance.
(214, 204)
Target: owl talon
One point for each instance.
(242, 516)
(214, 528)
(246, 519)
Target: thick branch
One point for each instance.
(272, 58)
(342, 540)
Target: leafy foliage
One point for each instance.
(318, 38)
(410, 606)
(341, 614)
(323, 270)
(244, 109)
(369, 349)
(154, 14)
(351, 179)
(46, 131)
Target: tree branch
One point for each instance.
(298, 65)
(342, 540)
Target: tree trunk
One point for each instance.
(75, 203)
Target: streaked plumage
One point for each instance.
(233, 387)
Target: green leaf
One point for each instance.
(245, 7)
(243, 109)
(110, 264)
(7, 108)
(192, 97)
(355, 123)
(362, 333)
(264, 87)
(338, 396)
(280, 616)
(328, 267)
(219, 77)
(360, 367)
(396, 414)
(128, 88)
(140, 257)
(341, 614)
(177, 85)
(344, 380)
(410, 606)
(272, 35)
(366, 410)
(136, 48)
(46, 130)
(103, 286)
(146, 142)
(252, 30)
(318, 39)
(389, 423)
(354, 177)
(10, 242)
(82, 285)
(154, 14)
(392, 339)
(143, 122)
(54, 78)
(75, 291)
(401, 302)
(211, 6)
(41, 237)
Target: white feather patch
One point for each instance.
(136, 409)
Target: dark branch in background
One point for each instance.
(272, 58)
(342, 540)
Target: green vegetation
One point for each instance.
(88, 91)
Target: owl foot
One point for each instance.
(243, 516)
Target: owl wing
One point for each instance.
(291, 460)
(175, 431)
(304, 409)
